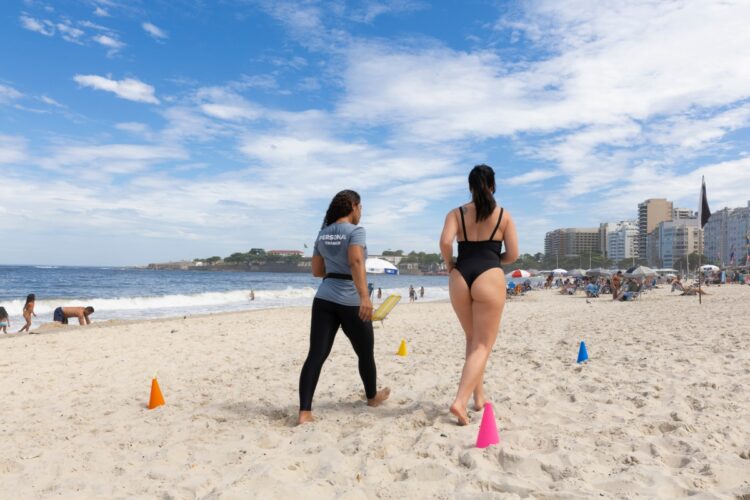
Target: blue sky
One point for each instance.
(134, 131)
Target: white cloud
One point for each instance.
(100, 12)
(69, 32)
(610, 88)
(48, 100)
(109, 41)
(530, 177)
(44, 27)
(155, 31)
(136, 128)
(373, 9)
(692, 132)
(8, 94)
(224, 104)
(98, 162)
(128, 88)
(12, 149)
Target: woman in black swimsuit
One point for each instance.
(477, 287)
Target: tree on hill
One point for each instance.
(236, 258)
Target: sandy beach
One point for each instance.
(660, 410)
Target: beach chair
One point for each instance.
(386, 307)
(592, 291)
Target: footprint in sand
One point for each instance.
(9, 466)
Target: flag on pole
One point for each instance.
(703, 209)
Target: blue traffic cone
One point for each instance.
(583, 355)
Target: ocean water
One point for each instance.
(126, 293)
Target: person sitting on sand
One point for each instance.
(342, 300)
(677, 285)
(4, 320)
(476, 280)
(63, 314)
(28, 312)
(693, 290)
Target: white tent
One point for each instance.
(379, 266)
(559, 272)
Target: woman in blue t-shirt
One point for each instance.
(342, 300)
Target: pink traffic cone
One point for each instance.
(488, 428)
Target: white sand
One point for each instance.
(661, 410)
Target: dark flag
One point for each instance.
(705, 213)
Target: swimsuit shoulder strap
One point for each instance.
(498, 223)
(463, 222)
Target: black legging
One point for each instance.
(326, 318)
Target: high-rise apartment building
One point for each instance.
(672, 240)
(604, 229)
(572, 241)
(622, 241)
(650, 213)
(726, 236)
(716, 236)
(682, 213)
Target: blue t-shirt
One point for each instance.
(333, 244)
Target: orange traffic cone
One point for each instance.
(156, 398)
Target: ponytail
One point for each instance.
(341, 205)
(482, 185)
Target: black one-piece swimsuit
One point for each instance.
(476, 257)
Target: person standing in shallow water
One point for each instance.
(342, 299)
(476, 281)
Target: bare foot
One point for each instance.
(460, 413)
(304, 417)
(380, 396)
(479, 403)
(479, 399)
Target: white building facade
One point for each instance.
(622, 240)
(727, 236)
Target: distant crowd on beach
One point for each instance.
(624, 288)
(59, 315)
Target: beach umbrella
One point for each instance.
(577, 273)
(520, 273)
(534, 272)
(639, 272)
(598, 271)
(379, 266)
(709, 268)
(559, 272)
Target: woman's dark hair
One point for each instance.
(89, 310)
(3, 313)
(341, 205)
(30, 298)
(482, 185)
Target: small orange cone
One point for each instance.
(156, 398)
(402, 348)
